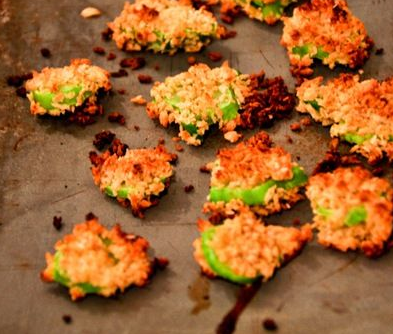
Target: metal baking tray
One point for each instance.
(45, 172)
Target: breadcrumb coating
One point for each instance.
(250, 248)
(80, 81)
(248, 165)
(352, 210)
(134, 177)
(95, 260)
(325, 30)
(202, 97)
(164, 26)
(269, 11)
(360, 112)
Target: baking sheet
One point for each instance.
(45, 172)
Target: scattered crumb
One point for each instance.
(90, 12)
(214, 55)
(103, 138)
(17, 80)
(191, 60)
(67, 319)
(111, 56)
(298, 158)
(204, 169)
(138, 100)
(161, 141)
(90, 216)
(136, 127)
(179, 148)
(134, 63)
(379, 51)
(99, 50)
(229, 34)
(21, 92)
(145, 79)
(116, 117)
(57, 223)
(121, 91)
(232, 136)
(161, 263)
(106, 34)
(45, 52)
(269, 324)
(306, 121)
(295, 127)
(289, 139)
(189, 188)
(120, 73)
(156, 67)
(176, 139)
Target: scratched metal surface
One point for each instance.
(45, 172)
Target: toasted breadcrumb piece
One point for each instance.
(250, 165)
(96, 260)
(55, 91)
(352, 210)
(360, 112)
(164, 26)
(135, 177)
(250, 248)
(201, 97)
(139, 99)
(325, 30)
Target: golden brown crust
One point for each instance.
(330, 25)
(249, 247)
(109, 260)
(144, 173)
(355, 107)
(334, 195)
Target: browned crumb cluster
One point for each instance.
(136, 178)
(250, 248)
(352, 210)
(325, 30)
(96, 260)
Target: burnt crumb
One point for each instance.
(27, 76)
(377, 171)
(161, 141)
(228, 34)
(189, 188)
(67, 319)
(214, 56)
(379, 51)
(289, 139)
(94, 158)
(21, 92)
(120, 73)
(65, 186)
(298, 158)
(179, 148)
(269, 324)
(118, 148)
(133, 63)
(90, 216)
(334, 160)
(99, 50)
(121, 91)
(103, 139)
(161, 262)
(204, 169)
(14, 80)
(106, 34)
(145, 79)
(116, 117)
(136, 127)
(191, 60)
(305, 121)
(57, 223)
(295, 127)
(270, 100)
(157, 67)
(296, 222)
(229, 12)
(111, 56)
(45, 52)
